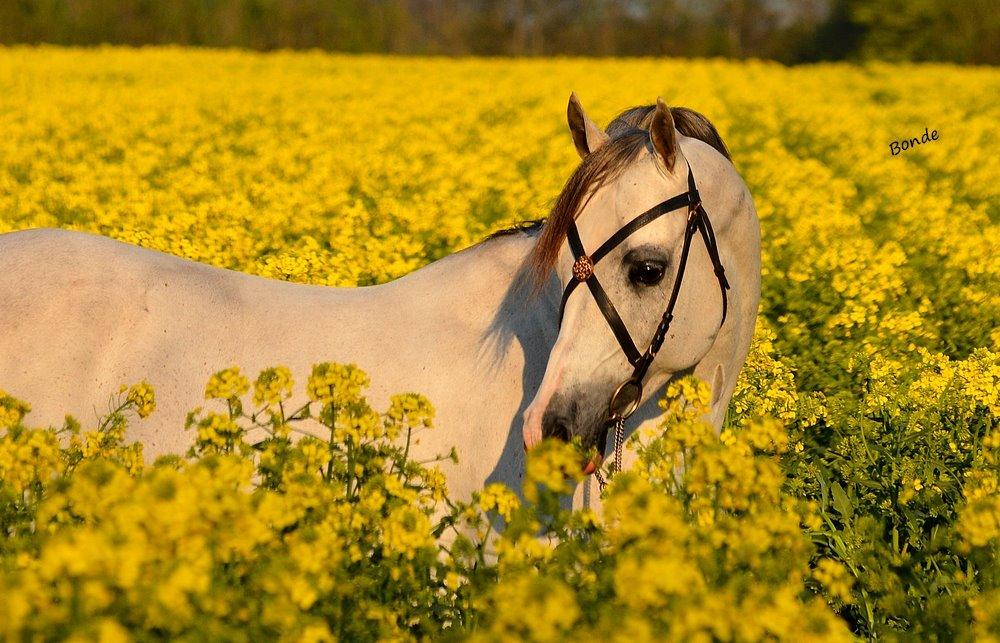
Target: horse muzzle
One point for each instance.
(568, 417)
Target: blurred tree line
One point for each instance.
(965, 31)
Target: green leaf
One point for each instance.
(841, 501)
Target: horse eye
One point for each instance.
(646, 273)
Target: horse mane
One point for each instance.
(521, 227)
(687, 121)
(628, 135)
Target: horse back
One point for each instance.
(81, 314)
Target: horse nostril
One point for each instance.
(556, 426)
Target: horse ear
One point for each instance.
(587, 136)
(663, 134)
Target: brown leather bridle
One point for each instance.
(625, 400)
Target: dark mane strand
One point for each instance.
(687, 121)
(596, 169)
(521, 227)
(690, 123)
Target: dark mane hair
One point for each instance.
(521, 227)
(687, 121)
(628, 135)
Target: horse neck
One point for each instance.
(475, 311)
(722, 365)
(469, 333)
(482, 290)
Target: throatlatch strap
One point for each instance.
(705, 226)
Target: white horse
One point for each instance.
(477, 332)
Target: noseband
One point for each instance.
(626, 397)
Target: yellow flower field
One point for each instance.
(856, 488)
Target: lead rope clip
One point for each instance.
(602, 482)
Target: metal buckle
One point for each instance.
(583, 268)
(621, 409)
(692, 220)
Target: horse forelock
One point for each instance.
(687, 121)
(628, 134)
(598, 168)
